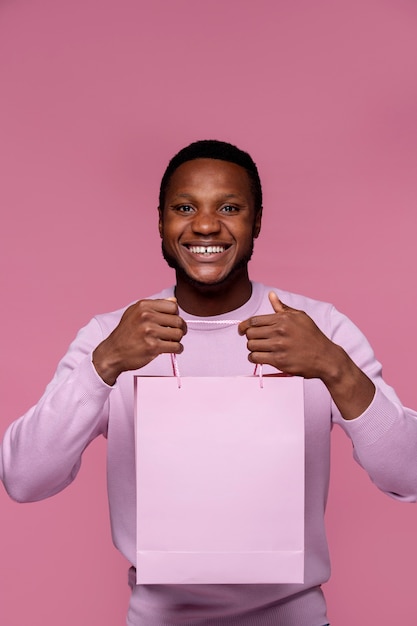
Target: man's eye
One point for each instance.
(184, 208)
(229, 208)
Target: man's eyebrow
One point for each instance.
(183, 195)
(232, 195)
(226, 196)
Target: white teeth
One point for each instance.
(206, 249)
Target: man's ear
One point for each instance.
(257, 224)
(160, 221)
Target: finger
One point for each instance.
(263, 327)
(173, 347)
(243, 327)
(167, 304)
(169, 320)
(169, 333)
(277, 305)
(256, 325)
(257, 357)
(264, 320)
(259, 345)
(162, 305)
(183, 323)
(261, 358)
(162, 311)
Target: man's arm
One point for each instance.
(41, 452)
(383, 432)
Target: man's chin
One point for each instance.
(207, 284)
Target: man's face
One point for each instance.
(208, 222)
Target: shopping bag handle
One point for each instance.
(174, 360)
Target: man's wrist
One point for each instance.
(351, 389)
(104, 367)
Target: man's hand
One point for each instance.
(289, 340)
(147, 328)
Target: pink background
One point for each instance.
(96, 96)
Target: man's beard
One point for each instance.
(180, 271)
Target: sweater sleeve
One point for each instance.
(384, 437)
(41, 451)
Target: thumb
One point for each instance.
(277, 305)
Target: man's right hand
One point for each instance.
(147, 328)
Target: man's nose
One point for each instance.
(206, 222)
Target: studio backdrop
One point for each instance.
(95, 98)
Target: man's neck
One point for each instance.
(209, 300)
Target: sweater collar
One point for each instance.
(214, 322)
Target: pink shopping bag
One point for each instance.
(220, 480)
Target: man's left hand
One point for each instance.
(289, 340)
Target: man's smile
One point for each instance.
(206, 250)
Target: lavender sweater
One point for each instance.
(41, 454)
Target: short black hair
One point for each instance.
(214, 149)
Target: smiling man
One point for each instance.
(210, 211)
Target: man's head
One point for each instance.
(213, 149)
(209, 215)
